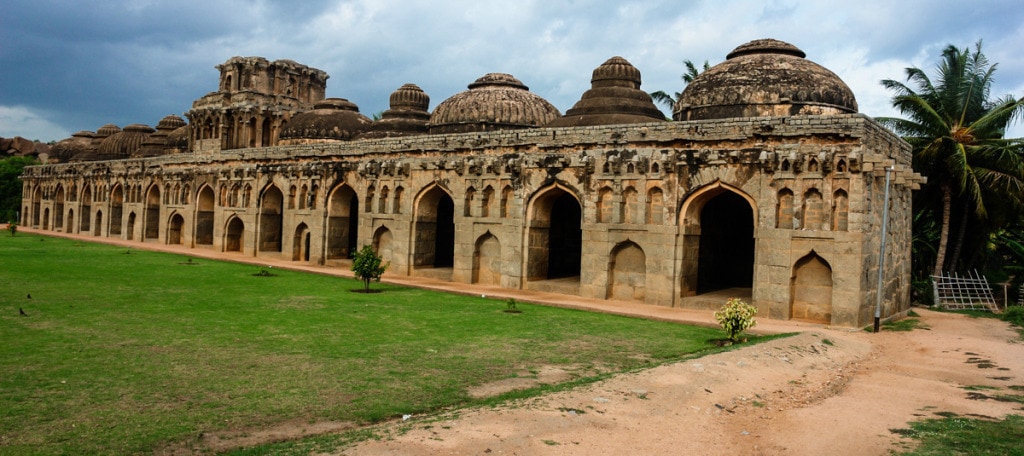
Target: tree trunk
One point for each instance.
(940, 253)
(959, 244)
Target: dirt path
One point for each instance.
(821, 392)
(825, 391)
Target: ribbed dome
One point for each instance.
(123, 144)
(335, 119)
(496, 101)
(178, 139)
(765, 78)
(107, 130)
(408, 114)
(80, 145)
(170, 123)
(614, 98)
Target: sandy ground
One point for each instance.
(821, 392)
(824, 391)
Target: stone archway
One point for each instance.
(152, 220)
(98, 226)
(342, 222)
(300, 243)
(718, 240)
(627, 272)
(131, 226)
(116, 210)
(383, 244)
(58, 209)
(204, 216)
(174, 226)
(234, 235)
(811, 290)
(487, 260)
(37, 200)
(435, 229)
(70, 228)
(46, 219)
(555, 239)
(271, 219)
(86, 213)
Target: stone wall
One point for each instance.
(786, 208)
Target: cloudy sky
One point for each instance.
(75, 65)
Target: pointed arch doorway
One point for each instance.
(718, 242)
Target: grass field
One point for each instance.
(127, 351)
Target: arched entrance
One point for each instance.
(46, 219)
(383, 244)
(435, 230)
(487, 260)
(131, 226)
(116, 210)
(98, 226)
(718, 241)
(204, 217)
(71, 222)
(627, 272)
(151, 225)
(37, 199)
(811, 290)
(271, 219)
(555, 240)
(300, 243)
(86, 213)
(58, 209)
(234, 235)
(342, 223)
(174, 226)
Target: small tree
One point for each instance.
(735, 317)
(12, 226)
(368, 265)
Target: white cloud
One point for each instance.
(21, 121)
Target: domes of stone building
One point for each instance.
(107, 130)
(408, 114)
(496, 101)
(614, 98)
(170, 123)
(79, 144)
(332, 119)
(764, 77)
(123, 144)
(177, 140)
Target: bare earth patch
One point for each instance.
(229, 440)
(821, 392)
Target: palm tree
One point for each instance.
(957, 136)
(691, 73)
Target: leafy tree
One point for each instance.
(691, 73)
(10, 185)
(957, 131)
(368, 265)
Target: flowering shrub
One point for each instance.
(735, 317)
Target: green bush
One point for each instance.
(368, 265)
(1014, 315)
(735, 317)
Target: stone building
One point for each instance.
(767, 184)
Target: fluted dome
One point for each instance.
(496, 101)
(408, 114)
(764, 78)
(332, 119)
(170, 123)
(177, 140)
(123, 144)
(107, 130)
(614, 98)
(80, 146)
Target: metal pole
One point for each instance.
(881, 250)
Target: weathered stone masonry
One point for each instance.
(785, 208)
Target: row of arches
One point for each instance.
(812, 213)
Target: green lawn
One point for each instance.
(129, 351)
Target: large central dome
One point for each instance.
(765, 78)
(496, 101)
